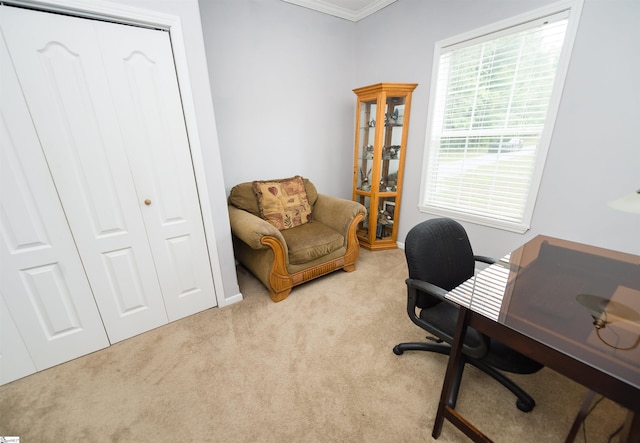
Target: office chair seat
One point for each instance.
(442, 318)
(506, 359)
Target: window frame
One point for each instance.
(573, 9)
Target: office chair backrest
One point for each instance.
(438, 251)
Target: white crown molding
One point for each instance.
(327, 7)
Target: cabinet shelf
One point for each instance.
(379, 159)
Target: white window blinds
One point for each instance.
(492, 96)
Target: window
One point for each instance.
(495, 94)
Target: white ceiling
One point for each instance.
(353, 10)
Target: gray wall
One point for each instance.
(282, 77)
(594, 155)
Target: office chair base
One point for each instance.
(524, 402)
(440, 349)
(525, 406)
(420, 346)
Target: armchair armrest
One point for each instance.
(251, 229)
(337, 213)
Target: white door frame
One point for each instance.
(118, 13)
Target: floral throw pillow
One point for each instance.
(283, 203)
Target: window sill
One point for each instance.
(520, 228)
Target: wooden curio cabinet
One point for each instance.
(382, 123)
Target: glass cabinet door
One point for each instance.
(392, 144)
(365, 158)
(391, 155)
(366, 145)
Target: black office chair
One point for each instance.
(439, 257)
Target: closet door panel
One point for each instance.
(45, 291)
(141, 72)
(15, 361)
(60, 67)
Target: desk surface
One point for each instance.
(553, 290)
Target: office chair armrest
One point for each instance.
(471, 349)
(483, 259)
(413, 286)
(427, 288)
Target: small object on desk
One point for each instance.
(604, 311)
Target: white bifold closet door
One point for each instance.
(105, 103)
(47, 311)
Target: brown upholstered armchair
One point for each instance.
(282, 259)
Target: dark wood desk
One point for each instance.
(543, 300)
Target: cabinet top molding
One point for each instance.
(396, 87)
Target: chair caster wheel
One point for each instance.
(397, 350)
(525, 406)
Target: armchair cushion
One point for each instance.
(283, 203)
(243, 197)
(310, 241)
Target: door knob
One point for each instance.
(147, 202)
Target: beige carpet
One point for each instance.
(317, 367)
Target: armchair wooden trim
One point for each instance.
(282, 281)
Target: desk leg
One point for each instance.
(445, 407)
(631, 431)
(582, 414)
(455, 360)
